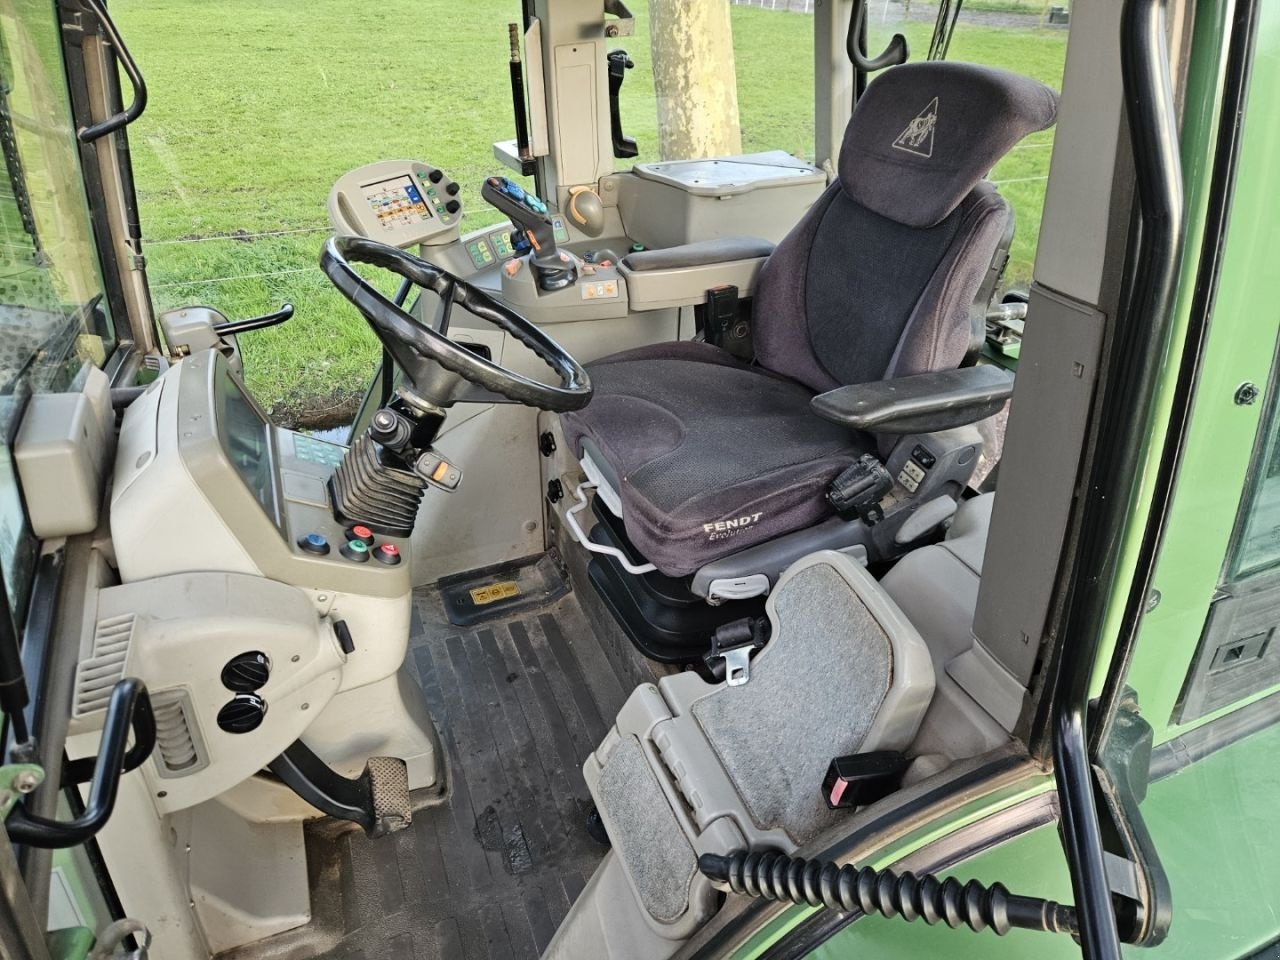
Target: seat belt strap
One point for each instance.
(733, 645)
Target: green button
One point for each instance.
(359, 546)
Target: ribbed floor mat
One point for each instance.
(489, 874)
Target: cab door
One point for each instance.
(1205, 661)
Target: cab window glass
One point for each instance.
(53, 316)
(1025, 36)
(1257, 540)
(770, 76)
(252, 119)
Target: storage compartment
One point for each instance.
(683, 201)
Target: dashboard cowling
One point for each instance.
(177, 633)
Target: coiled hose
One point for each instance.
(821, 883)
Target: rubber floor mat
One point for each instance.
(489, 873)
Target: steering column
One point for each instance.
(382, 478)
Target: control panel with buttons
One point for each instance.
(405, 203)
(598, 289)
(306, 463)
(910, 475)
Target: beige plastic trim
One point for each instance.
(686, 286)
(536, 88)
(703, 798)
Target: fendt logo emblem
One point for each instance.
(724, 529)
(918, 137)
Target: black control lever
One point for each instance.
(555, 270)
(624, 147)
(128, 709)
(229, 328)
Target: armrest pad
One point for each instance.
(699, 254)
(925, 403)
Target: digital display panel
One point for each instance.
(246, 439)
(397, 203)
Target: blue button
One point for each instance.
(314, 543)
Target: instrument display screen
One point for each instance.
(397, 203)
(246, 440)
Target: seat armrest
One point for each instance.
(699, 254)
(925, 403)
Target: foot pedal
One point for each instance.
(389, 790)
(378, 799)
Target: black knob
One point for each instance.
(453, 206)
(243, 713)
(435, 176)
(451, 189)
(247, 672)
(390, 429)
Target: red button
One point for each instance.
(388, 553)
(364, 533)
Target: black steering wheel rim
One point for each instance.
(416, 346)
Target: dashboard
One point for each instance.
(404, 203)
(203, 481)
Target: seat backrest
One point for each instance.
(878, 279)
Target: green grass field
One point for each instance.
(255, 109)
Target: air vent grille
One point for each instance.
(179, 750)
(104, 667)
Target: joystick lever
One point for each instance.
(555, 269)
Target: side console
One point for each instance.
(270, 636)
(205, 484)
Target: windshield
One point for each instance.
(52, 313)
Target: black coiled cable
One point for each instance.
(821, 883)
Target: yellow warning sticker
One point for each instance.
(495, 592)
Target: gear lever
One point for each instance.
(555, 270)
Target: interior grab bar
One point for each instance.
(129, 709)
(97, 131)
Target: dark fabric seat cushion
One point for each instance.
(712, 456)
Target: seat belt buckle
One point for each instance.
(732, 647)
(724, 324)
(863, 778)
(857, 491)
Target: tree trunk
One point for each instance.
(694, 78)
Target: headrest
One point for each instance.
(924, 134)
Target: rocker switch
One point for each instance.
(911, 475)
(438, 471)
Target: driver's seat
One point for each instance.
(708, 455)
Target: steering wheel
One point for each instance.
(437, 367)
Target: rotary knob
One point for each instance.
(247, 672)
(243, 713)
